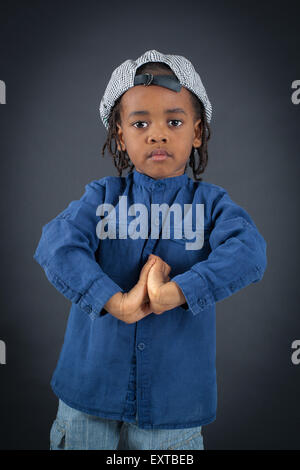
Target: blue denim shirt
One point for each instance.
(161, 368)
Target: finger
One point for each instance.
(146, 268)
(159, 264)
(167, 269)
(156, 272)
(162, 266)
(155, 280)
(158, 258)
(161, 260)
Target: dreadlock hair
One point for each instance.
(121, 159)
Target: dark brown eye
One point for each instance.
(175, 120)
(139, 122)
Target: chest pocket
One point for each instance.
(177, 252)
(197, 247)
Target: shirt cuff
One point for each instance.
(94, 299)
(195, 291)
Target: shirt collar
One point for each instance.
(146, 181)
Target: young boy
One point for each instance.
(137, 367)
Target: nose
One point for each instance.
(157, 138)
(157, 134)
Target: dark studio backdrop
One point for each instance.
(56, 58)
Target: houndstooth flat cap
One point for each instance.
(123, 78)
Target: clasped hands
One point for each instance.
(153, 293)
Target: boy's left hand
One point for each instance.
(163, 295)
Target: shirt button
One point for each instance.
(141, 346)
(88, 309)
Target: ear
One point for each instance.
(121, 138)
(197, 133)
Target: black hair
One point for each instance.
(121, 159)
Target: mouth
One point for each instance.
(159, 155)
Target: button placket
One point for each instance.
(143, 333)
(157, 188)
(150, 242)
(131, 406)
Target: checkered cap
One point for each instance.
(122, 79)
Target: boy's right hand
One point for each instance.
(132, 306)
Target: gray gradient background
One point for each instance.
(56, 59)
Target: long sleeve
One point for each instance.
(237, 257)
(66, 252)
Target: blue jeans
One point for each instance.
(74, 430)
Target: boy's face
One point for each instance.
(156, 128)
